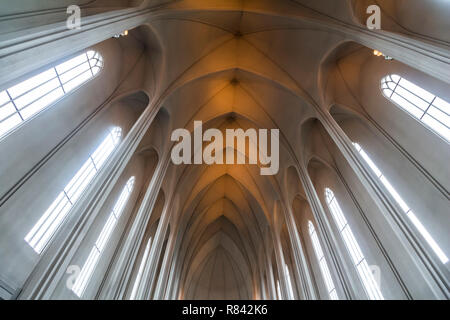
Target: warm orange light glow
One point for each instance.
(377, 53)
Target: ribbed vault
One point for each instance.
(240, 64)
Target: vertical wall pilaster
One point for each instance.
(305, 284)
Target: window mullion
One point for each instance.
(60, 82)
(15, 107)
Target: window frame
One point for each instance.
(101, 243)
(385, 82)
(37, 72)
(47, 229)
(413, 219)
(354, 251)
(314, 238)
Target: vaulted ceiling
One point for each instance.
(241, 64)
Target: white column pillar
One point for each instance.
(149, 274)
(279, 258)
(161, 285)
(303, 278)
(270, 279)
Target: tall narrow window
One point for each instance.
(361, 265)
(40, 235)
(289, 282)
(141, 269)
(429, 109)
(409, 213)
(22, 101)
(322, 262)
(278, 290)
(93, 258)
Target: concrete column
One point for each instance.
(305, 284)
(149, 274)
(54, 262)
(117, 281)
(162, 284)
(170, 292)
(270, 279)
(432, 270)
(263, 286)
(279, 257)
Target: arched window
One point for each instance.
(360, 263)
(141, 269)
(22, 101)
(409, 213)
(421, 104)
(94, 256)
(322, 262)
(48, 224)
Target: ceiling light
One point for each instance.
(123, 34)
(379, 54)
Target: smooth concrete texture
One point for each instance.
(224, 231)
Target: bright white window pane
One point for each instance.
(42, 232)
(75, 72)
(31, 83)
(80, 181)
(86, 271)
(289, 283)
(396, 78)
(37, 106)
(38, 92)
(423, 231)
(367, 278)
(407, 106)
(93, 258)
(439, 115)
(3, 97)
(322, 262)
(437, 126)
(429, 109)
(90, 54)
(443, 105)
(7, 110)
(333, 295)
(427, 237)
(141, 269)
(278, 290)
(96, 70)
(69, 86)
(8, 124)
(417, 90)
(70, 64)
(369, 282)
(394, 194)
(412, 98)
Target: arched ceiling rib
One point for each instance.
(234, 69)
(242, 64)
